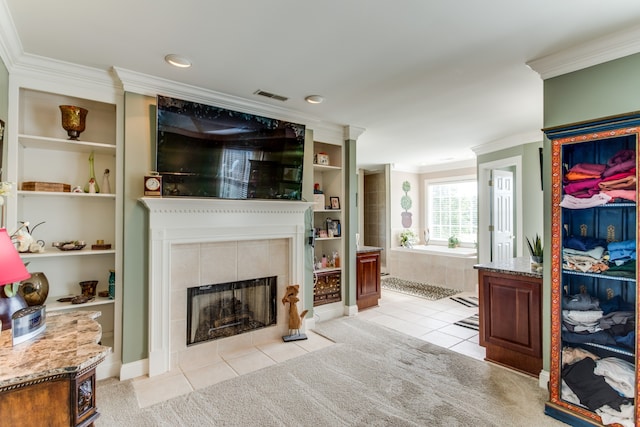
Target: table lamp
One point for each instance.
(12, 270)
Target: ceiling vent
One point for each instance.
(270, 95)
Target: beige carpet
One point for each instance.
(373, 376)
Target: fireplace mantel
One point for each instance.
(189, 220)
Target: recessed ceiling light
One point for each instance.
(178, 61)
(314, 99)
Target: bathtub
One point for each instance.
(436, 265)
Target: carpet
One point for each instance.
(471, 322)
(418, 289)
(372, 376)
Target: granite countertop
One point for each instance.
(520, 266)
(69, 344)
(365, 249)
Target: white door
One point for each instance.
(502, 217)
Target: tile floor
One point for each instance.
(431, 321)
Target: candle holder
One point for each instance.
(73, 120)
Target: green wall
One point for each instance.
(603, 90)
(4, 108)
(139, 133)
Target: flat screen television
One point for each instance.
(208, 151)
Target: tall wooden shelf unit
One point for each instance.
(330, 179)
(575, 222)
(39, 150)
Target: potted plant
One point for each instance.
(405, 203)
(407, 238)
(535, 249)
(453, 242)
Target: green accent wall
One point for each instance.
(603, 90)
(139, 135)
(351, 218)
(4, 109)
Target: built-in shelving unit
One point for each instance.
(39, 150)
(328, 223)
(590, 282)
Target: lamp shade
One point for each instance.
(12, 268)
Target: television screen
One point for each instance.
(208, 151)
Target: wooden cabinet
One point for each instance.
(39, 150)
(367, 278)
(327, 223)
(593, 269)
(511, 314)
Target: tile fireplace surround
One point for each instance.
(194, 242)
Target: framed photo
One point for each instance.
(291, 174)
(335, 202)
(333, 227)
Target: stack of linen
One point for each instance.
(591, 184)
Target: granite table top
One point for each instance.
(365, 249)
(69, 344)
(520, 266)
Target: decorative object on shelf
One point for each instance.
(453, 242)
(295, 319)
(23, 237)
(335, 202)
(12, 272)
(46, 186)
(101, 245)
(5, 191)
(408, 238)
(92, 185)
(112, 284)
(535, 250)
(72, 245)
(405, 203)
(89, 287)
(153, 184)
(322, 159)
(73, 120)
(333, 227)
(106, 186)
(318, 202)
(81, 299)
(35, 289)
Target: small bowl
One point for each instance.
(89, 288)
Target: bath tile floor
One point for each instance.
(431, 321)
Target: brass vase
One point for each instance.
(35, 289)
(73, 120)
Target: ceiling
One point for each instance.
(427, 79)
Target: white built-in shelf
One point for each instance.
(58, 253)
(326, 167)
(60, 306)
(63, 194)
(59, 144)
(327, 210)
(329, 238)
(327, 270)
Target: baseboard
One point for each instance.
(134, 369)
(543, 379)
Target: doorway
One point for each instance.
(487, 236)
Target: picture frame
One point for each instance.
(334, 202)
(333, 228)
(291, 174)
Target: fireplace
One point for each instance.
(227, 309)
(198, 242)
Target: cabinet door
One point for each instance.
(368, 279)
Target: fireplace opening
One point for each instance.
(226, 309)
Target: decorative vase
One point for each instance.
(8, 306)
(89, 288)
(35, 289)
(112, 284)
(73, 120)
(92, 185)
(406, 219)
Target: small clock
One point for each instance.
(153, 185)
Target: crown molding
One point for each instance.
(144, 84)
(10, 45)
(508, 142)
(612, 46)
(353, 132)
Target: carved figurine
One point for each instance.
(295, 319)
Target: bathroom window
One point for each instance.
(452, 210)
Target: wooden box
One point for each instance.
(45, 186)
(327, 289)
